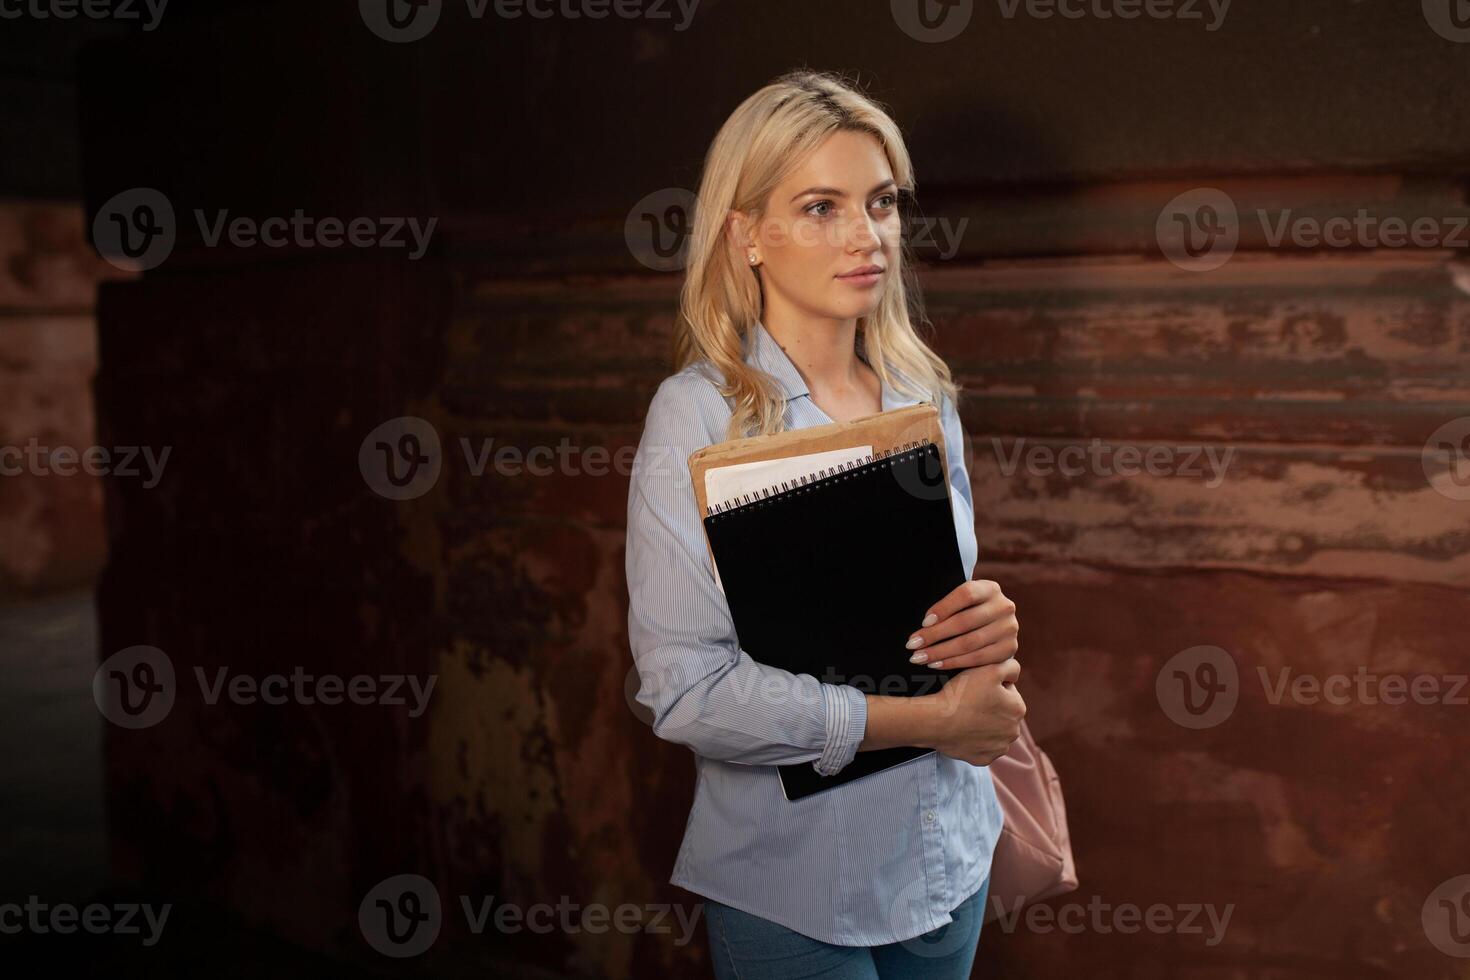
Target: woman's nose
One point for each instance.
(862, 236)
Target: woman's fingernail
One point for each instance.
(918, 658)
(914, 642)
(937, 663)
(929, 620)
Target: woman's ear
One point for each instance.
(739, 229)
(740, 232)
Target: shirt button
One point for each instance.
(929, 816)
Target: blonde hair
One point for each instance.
(764, 139)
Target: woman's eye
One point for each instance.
(826, 207)
(885, 202)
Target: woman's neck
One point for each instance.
(824, 351)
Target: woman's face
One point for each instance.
(829, 239)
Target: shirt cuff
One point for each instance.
(847, 721)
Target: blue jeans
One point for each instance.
(748, 947)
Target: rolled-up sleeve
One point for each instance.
(702, 689)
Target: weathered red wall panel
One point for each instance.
(51, 534)
(1326, 546)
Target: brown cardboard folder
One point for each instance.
(884, 431)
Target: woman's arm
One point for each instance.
(975, 717)
(703, 690)
(895, 721)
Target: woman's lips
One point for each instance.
(867, 277)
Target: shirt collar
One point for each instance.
(765, 353)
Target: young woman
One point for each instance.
(796, 312)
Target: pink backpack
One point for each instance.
(1033, 858)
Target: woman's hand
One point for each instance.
(972, 626)
(979, 713)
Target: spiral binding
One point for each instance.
(788, 487)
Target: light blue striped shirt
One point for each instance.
(878, 860)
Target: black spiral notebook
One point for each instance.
(830, 574)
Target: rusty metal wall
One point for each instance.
(1275, 491)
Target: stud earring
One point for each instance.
(752, 258)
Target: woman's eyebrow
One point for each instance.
(830, 191)
(836, 192)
